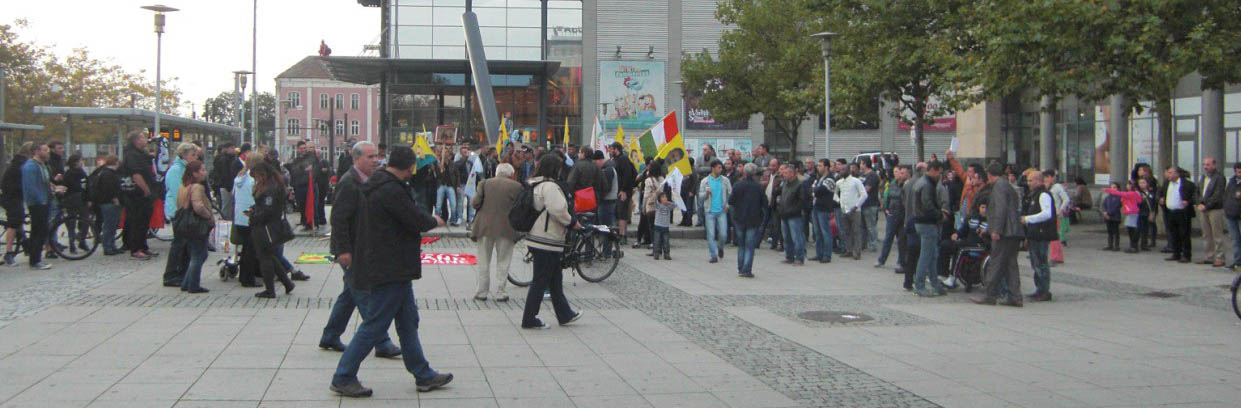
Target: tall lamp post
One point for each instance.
(254, 68)
(239, 90)
(825, 39)
(159, 10)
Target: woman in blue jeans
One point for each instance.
(192, 197)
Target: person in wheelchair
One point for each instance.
(969, 245)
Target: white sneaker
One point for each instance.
(951, 282)
(43, 266)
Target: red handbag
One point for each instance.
(584, 200)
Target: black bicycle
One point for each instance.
(593, 253)
(75, 237)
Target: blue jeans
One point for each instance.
(111, 214)
(606, 213)
(288, 266)
(1042, 270)
(1234, 231)
(388, 303)
(794, 238)
(822, 222)
(342, 310)
(870, 218)
(451, 194)
(928, 238)
(894, 228)
(197, 251)
(717, 232)
(750, 238)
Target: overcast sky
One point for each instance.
(205, 41)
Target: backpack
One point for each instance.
(1112, 207)
(92, 185)
(522, 216)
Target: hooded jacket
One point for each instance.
(388, 246)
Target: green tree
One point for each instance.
(221, 109)
(906, 51)
(763, 66)
(39, 77)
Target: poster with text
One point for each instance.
(701, 119)
(633, 92)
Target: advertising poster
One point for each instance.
(939, 124)
(722, 146)
(1102, 149)
(701, 119)
(633, 92)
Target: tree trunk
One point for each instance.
(1163, 108)
(919, 140)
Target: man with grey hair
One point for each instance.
(748, 203)
(492, 231)
(345, 214)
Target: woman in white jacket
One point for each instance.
(547, 242)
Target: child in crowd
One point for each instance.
(1131, 202)
(663, 218)
(1110, 208)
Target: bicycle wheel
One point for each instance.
(597, 256)
(75, 245)
(1236, 306)
(523, 273)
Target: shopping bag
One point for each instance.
(584, 200)
(221, 236)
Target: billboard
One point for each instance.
(701, 119)
(633, 92)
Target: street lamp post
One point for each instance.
(239, 81)
(254, 68)
(159, 10)
(825, 39)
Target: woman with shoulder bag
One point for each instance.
(193, 222)
(547, 244)
(268, 228)
(243, 199)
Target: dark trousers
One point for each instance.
(196, 255)
(895, 226)
(342, 310)
(109, 216)
(547, 277)
(1002, 268)
(1147, 230)
(299, 196)
(385, 305)
(137, 223)
(38, 233)
(659, 240)
(248, 265)
(178, 261)
(1113, 234)
(909, 262)
(644, 227)
(273, 268)
(320, 203)
(1178, 233)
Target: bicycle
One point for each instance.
(593, 253)
(79, 244)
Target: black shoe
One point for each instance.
(1166, 250)
(250, 285)
(172, 284)
(112, 252)
(51, 255)
(198, 290)
(355, 390)
(1131, 251)
(539, 325)
(439, 380)
(299, 276)
(335, 345)
(721, 253)
(576, 316)
(747, 275)
(266, 295)
(288, 288)
(388, 352)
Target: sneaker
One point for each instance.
(480, 298)
(1131, 250)
(10, 260)
(925, 293)
(747, 275)
(43, 266)
(576, 316)
(198, 290)
(354, 390)
(332, 345)
(299, 276)
(439, 380)
(713, 260)
(721, 253)
(537, 326)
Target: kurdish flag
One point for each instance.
(670, 144)
(502, 139)
(422, 151)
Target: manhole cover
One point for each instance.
(1160, 294)
(834, 316)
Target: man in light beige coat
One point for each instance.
(492, 231)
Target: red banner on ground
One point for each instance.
(428, 240)
(439, 258)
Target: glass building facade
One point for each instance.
(512, 30)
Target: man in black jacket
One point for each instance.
(104, 189)
(1212, 209)
(345, 207)
(222, 175)
(138, 173)
(823, 203)
(386, 261)
(748, 203)
(1178, 197)
(1232, 212)
(928, 213)
(307, 166)
(626, 176)
(11, 200)
(586, 174)
(894, 211)
(794, 196)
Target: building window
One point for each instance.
(353, 128)
(340, 101)
(295, 100)
(293, 127)
(322, 101)
(340, 127)
(353, 101)
(321, 125)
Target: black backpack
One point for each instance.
(523, 215)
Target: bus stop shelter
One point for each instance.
(9, 128)
(130, 118)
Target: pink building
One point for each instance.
(306, 94)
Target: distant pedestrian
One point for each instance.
(492, 231)
(1232, 213)
(192, 199)
(748, 202)
(663, 219)
(137, 181)
(1131, 203)
(794, 197)
(928, 214)
(1041, 228)
(1111, 207)
(894, 211)
(823, 203)
(715, 191)
(870, 206)
(853, 196)
(1212, 209)
(1004, 224)
(104, 190)
(1178, 200)
(270, 199)
(37, 193)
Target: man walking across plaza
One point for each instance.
(1178, 197)
(715, 191)
(495, 236)
(1232, 212)
(794, 195)
(927, 217)
(1004, 225)
(894, 213)
(870, 206)
(1212, 209)
(37, 194)
(1039, 217)
(387, 260)
(345, 208)
(748, 202)
(852, 197)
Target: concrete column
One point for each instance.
(1047, 134)
(1213, 143)
(590, 65)
(1118, 127)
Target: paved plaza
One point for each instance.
(1124, 330)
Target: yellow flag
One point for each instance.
(566, 130)
(673, 153)
(503, 137)
(620, 134)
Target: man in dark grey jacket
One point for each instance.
(1004, 225)
(909, 263)
(345, 208)
(927, 216)
(794, 196)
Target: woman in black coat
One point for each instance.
(269, 208)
